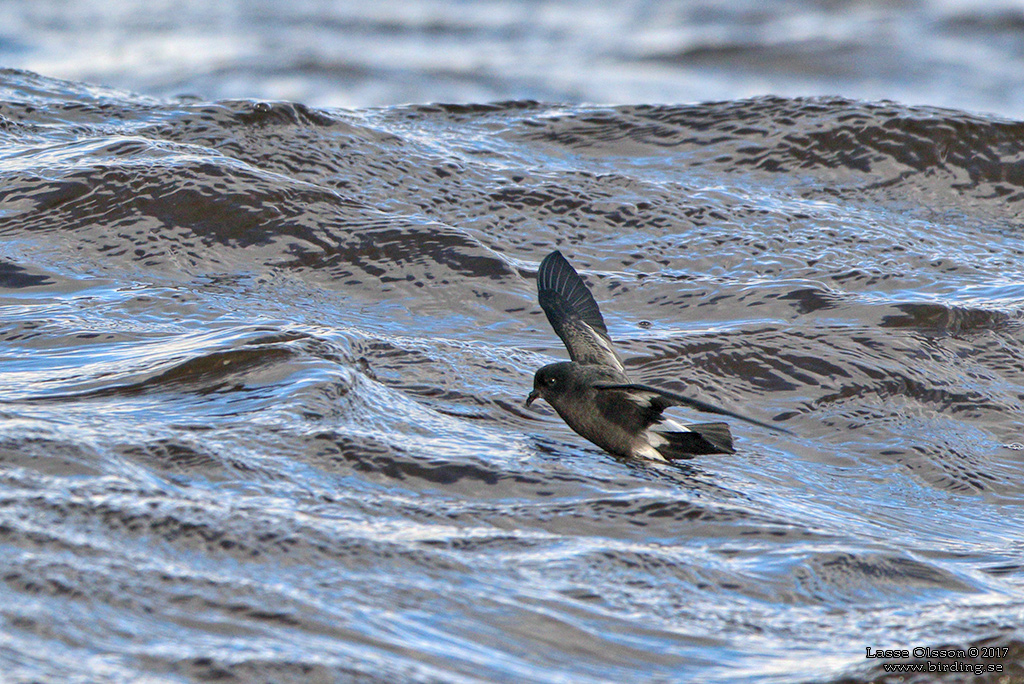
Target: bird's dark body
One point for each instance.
(594, 395)
(608, 418)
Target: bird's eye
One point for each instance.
(551, 381)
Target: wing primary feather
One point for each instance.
(573, 313)
(678, 399)
(558, 276)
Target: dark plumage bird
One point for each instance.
(593, 394)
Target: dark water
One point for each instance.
(263, 367)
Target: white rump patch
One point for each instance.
(671, 425)
(649, 452)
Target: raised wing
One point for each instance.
(574, 314)
(659, 399)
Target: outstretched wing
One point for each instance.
(659, 399)
(574, 314)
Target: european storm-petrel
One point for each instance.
(593, 394)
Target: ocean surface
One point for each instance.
(264, 363)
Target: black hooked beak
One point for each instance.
(530, 399)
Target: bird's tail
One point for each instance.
(703, 438)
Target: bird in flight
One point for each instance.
(593, 394)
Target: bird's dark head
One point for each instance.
(551, 381)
